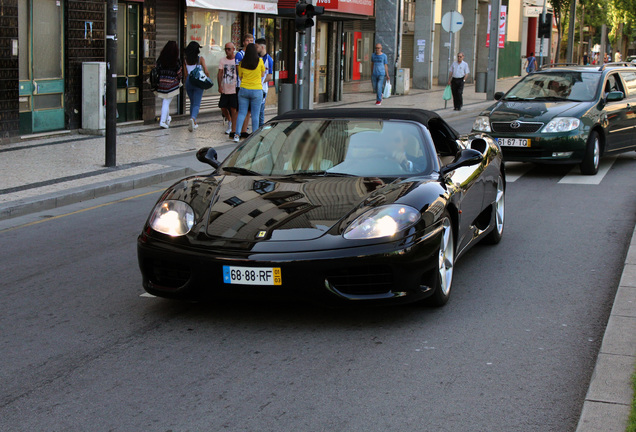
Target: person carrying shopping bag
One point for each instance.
(251, 72)
(195, 93)
(379, 72)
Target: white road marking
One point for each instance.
(147, 295)
(575, 176)
(515, 170)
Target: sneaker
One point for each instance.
(236, 138)
(164, 125)
(168, 120)
(196, 126)
(378, 103)
(229, 128)
(232, 135)
(191, 125)
(244, 134)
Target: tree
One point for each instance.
(560, 9)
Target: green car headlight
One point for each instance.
(482, 124)
(172, 217)
(384, 221)
(562, 124)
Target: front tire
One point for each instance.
(446, 264)
(592, 158)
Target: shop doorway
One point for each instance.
(41, 71)
(129, 81)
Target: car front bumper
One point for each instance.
(566, 148)
(392, 272)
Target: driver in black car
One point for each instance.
(402, 147)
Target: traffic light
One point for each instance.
(545, 28)
(305, 15)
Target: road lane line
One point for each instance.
(575, 176)
(515, 170)
(80, 211)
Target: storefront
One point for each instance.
(344, 38)
(41, 65)
(213, 23)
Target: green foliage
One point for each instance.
(631, 423)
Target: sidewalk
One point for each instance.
(61, 169)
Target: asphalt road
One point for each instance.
(82, 349)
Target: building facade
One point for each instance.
(43, 44)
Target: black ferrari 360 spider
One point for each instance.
(365, 205)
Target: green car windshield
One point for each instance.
(556, 86)
(360, 147)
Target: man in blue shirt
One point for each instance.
(379, 72)
(261, 47)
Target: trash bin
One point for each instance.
(286, 98)
(480, 82)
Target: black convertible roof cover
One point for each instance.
(417, 115)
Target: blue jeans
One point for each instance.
(378, 85)
(195, 94)
(252, 99)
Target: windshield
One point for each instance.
(371, 148)
(567, 86)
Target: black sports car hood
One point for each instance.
(248, 209)
(539, 111)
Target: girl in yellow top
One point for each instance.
(251, 71)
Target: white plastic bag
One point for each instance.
(387, 90)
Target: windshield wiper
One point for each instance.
(241, 171)
(517, 98)
(319, 174)
(552, 98)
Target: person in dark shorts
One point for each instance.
(227, 80)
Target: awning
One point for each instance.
(260, 7)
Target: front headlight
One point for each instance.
(482, 124)
(174, 218)
(562, 124)
(383, 221)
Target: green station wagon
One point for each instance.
(566, 114)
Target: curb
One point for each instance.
(609, 397)
(83, 193)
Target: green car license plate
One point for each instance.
(514, 142)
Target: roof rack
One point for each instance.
(604, 65)
(551, 65)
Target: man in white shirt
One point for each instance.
(458, 73)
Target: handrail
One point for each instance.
(551, 65)
(604, 65)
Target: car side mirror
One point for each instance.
(208, 155)
(466, 157)
(499, 95)
(614, 96)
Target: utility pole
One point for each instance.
(111, 83)
(305, 13)
(493, 50)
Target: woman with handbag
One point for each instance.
(195, 93)
(170, 73)
(251, 71)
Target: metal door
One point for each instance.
(129, 82)
(41, 72)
